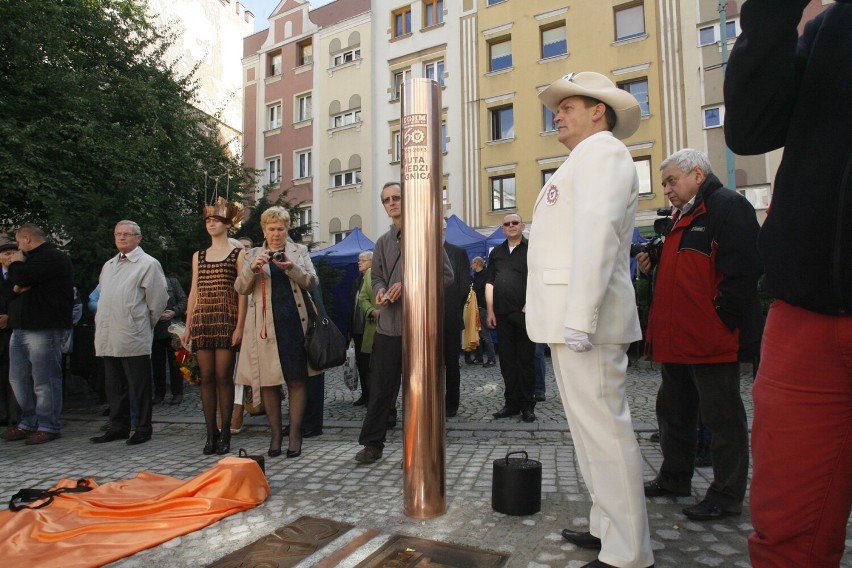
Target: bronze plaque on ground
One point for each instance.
(287, 546)
(408, 552)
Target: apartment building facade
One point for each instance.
(522, 47)
(209, 32)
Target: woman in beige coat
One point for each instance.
(277, 275)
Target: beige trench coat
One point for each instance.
(259, 365)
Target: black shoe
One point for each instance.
(311, 433)
(581, 539)
(706, 511)
(274, 453)
(540, 397)
(489, 364)
(528, 415)
(505, 412)
(210, 445)
(176, 399)
(138, 438)
(477, 361)
(158, 399)
(654, 488)
(223, 446)
(111, 436)
(294, 453)
(655, 437)
(362, 401)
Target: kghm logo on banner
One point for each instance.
(415, 143)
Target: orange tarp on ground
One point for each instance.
(120, 518)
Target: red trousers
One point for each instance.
(801, 491)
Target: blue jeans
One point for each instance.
(35, 372)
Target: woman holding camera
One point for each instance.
(277, 275)
(214, 322)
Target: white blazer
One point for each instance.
(579, 247)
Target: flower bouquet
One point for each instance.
(187, 364)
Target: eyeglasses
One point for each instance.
(125, 235)
(512, 223)
(390, 198)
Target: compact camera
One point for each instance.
(277, 255)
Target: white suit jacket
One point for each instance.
(579, 247)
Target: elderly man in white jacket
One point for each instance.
(133, 295)
(580, 300)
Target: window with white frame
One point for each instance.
(502, 192)
(304, 217)
(500, 54)
(433, 12)
(340, 235)
(502, 123)
(346, 57)
(275, 64)
(396, 149)
(712, 34)
(639, 89)
(629, 21)
(304, 110)
(548, 120)
(444, 137)
(273, 170)
(434, 71)
(546, 175)
(643, 170)
(492, 2)
(399, 77)
(342, 179)
(306, 53)
(554, 41)
(345, 118)
(714, 116)
(302, 164)
(401, 19)
(273, 114)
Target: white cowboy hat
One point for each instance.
(596, 86)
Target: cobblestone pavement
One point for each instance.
(326, 482)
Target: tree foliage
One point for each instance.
(98, 127)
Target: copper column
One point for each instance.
(424, 453)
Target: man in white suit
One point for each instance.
(580, 300)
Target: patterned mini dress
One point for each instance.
(215, 315)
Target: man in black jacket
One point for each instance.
(795, 93)
(9, 410)
(43, 277)
(455, 294)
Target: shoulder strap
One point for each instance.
(31, 495)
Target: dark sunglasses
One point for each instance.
(513, 223)
(390, 198)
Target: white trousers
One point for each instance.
(592, 388)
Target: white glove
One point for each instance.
(577, 341)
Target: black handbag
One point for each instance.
(325, 346)
(22, 499)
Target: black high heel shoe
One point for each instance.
(295, 453)
(224, 445)
(274, 453)
(210, 446)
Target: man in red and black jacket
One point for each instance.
(704, 317)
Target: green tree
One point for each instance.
(97, 127)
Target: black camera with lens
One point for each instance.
(277, 255)
(654, 248)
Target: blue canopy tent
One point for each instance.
(344, 258)
(637, 238)
(461, 235)
(494, 239)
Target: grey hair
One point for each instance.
(136, 228)
(687, 160)
(366, 255)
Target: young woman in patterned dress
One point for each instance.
(214, 323)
